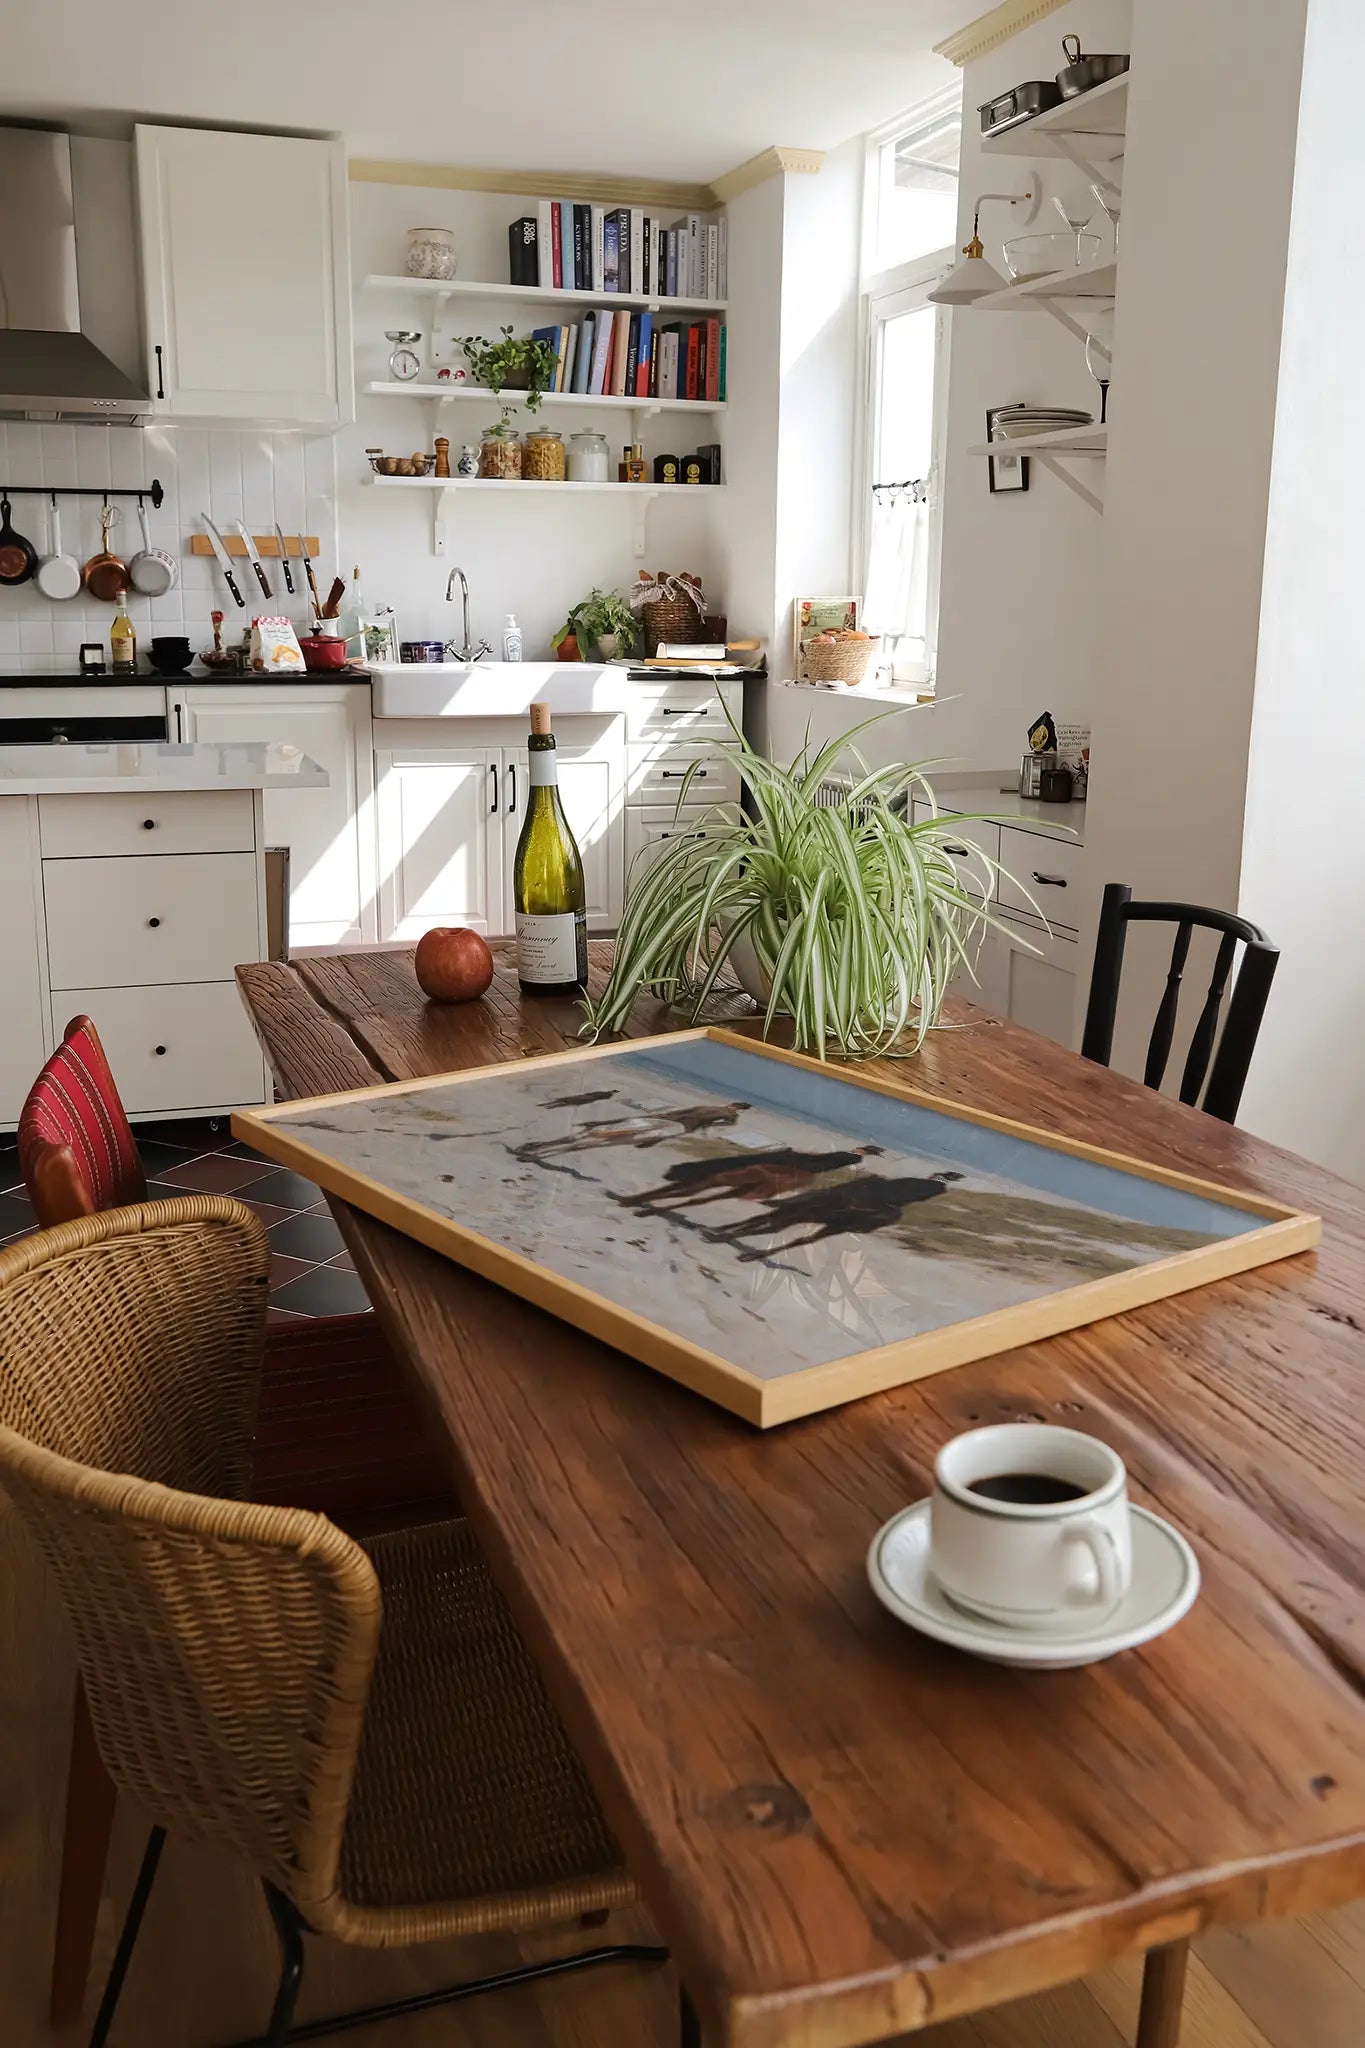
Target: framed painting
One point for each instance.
(1004, 472)
(778, 1235)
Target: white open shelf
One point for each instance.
(1034, 294)
(391, 388)
(1090, 440)
(547, 295)
(1088, 128)
(439, 488)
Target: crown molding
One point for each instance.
(769, 163)
(563, 184)
(988, 31)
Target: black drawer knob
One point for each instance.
(154, 922)
(149, 824)
(159, 1050)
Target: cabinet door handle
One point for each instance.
(672, 775)
(684, 710)
(962, 852)
(149, 824)
(1049, 881)
(154, 922)
(160, 374)
(179, 728)
(512, 785)
(493, 771)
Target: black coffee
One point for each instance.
(1028, 1489)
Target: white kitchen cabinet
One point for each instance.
(22, 995)
(441, 837)
(1033, 983)
(451, 801)
(330, 832)
(246, 276)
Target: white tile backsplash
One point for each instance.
(253, 475)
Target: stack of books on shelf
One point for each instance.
(569, 245)
(639, 355)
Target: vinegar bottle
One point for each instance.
(547, 881)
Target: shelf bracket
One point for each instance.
(1056, 467)
(637, 540)
(1074, 149)
(439, 501)
(436, 349)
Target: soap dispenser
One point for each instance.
(511, 639)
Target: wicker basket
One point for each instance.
(837, 661)
(674, 619)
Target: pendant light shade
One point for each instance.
(971, 277)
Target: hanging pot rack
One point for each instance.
(153, 490)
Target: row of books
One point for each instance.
(634, 355)
(569, 245)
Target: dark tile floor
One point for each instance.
(310, 1270)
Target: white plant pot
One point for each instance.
(750, 972)
(608, 645)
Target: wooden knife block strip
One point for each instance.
(267, 546)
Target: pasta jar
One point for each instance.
(588, 458)
(500, 453)
(542, 455)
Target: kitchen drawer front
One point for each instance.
(657, 777)
(178, 821)
(652, 828)
(187, 917)
(962, 837)
(173, 1047)
(1050, 871)
(677, 710)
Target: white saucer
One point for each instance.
(1165, 1586)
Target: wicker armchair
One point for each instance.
(362, 1724)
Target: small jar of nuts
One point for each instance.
(500, 454)
(542, 455)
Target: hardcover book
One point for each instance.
(522, 260)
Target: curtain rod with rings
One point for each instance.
(918, 487)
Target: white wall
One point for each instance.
(748, 513)
(533, 559)
(1303, 843)
(1208, 177)
(1021, 605)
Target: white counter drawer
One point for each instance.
(178, 821)
(657, 778)
(652, 828)
(962, 837)
(173, 1048)
(1048, 869)
(184, 917)
(678, 710)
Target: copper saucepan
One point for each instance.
(105, 575)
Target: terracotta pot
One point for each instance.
(568, 648)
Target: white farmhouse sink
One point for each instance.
(492, 689)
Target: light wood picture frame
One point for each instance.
(1021, 1204)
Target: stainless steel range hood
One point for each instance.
(49, 368)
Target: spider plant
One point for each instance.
(855, 918)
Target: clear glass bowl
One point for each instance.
(1035, 255)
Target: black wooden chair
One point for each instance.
(1226, 1068)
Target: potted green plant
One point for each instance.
(602, 624)
(849, 918)
(515, 363)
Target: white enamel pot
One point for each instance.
(152, 572)
(58, 575)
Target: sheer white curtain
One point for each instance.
(896, 600)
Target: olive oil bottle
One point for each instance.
(547, 881)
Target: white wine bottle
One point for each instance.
(547, 881)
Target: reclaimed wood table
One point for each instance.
(843, 1830)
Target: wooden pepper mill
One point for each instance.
(442, 447)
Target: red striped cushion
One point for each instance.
(74, 1102)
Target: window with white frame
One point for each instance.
(910, 215)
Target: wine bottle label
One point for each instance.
(548, 946)
(544, 768)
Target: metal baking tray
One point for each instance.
(1020, 103)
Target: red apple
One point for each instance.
(453, 964)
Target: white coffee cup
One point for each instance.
(1049, 1543)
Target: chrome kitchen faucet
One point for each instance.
(468, 652)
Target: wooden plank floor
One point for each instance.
(203, 1973)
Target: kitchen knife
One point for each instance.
(254, 559)
(224, 561)
(308, 572)
(284, 561)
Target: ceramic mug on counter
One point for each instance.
(1030, 1526)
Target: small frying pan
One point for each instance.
(18, 557)
(105, 575)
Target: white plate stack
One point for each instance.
(1017, 422)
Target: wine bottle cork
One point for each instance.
(540, 718)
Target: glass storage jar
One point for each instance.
(542, 455)
(588, 458)
(500, 453)
(431, 252)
